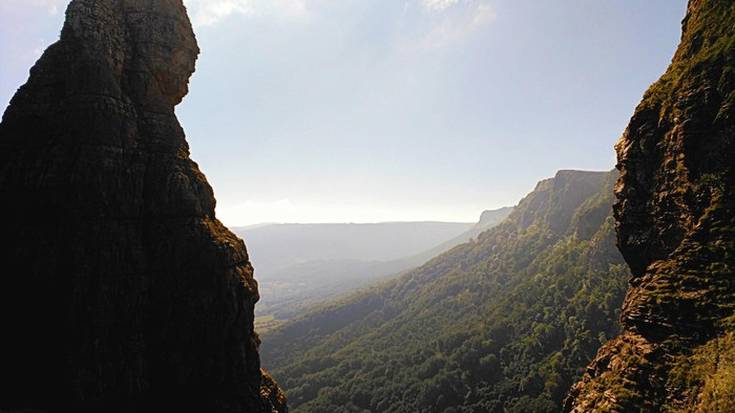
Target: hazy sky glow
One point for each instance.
(390, 110)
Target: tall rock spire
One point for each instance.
(676, 228)
(121, 291)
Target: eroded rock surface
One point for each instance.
(120, 291)
(676, 229)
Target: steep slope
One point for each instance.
(676, 228)
(120, 289)
(501, 323)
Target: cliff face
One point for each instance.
(120, 289)
(676, 228)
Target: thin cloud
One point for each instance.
(439, 5)
(211, 12)
(456, 24)
(52, 7)
(38, 50)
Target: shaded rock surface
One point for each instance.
(676, 228)
(120, 291)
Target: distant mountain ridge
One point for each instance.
(492, 217)
(502, 323)
(277, 246)
(488, 219)
(287, 290)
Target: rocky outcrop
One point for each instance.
(121, 291)
(676, 228)
(493, 217)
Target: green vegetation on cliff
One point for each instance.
(503, 323)
(676, 229)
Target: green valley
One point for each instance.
(506, 322)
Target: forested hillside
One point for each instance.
(505, 322)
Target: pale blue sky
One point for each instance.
(395, 110)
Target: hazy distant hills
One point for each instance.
(299, 265)
(277, 246)
(488, 219)
(502, 323)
